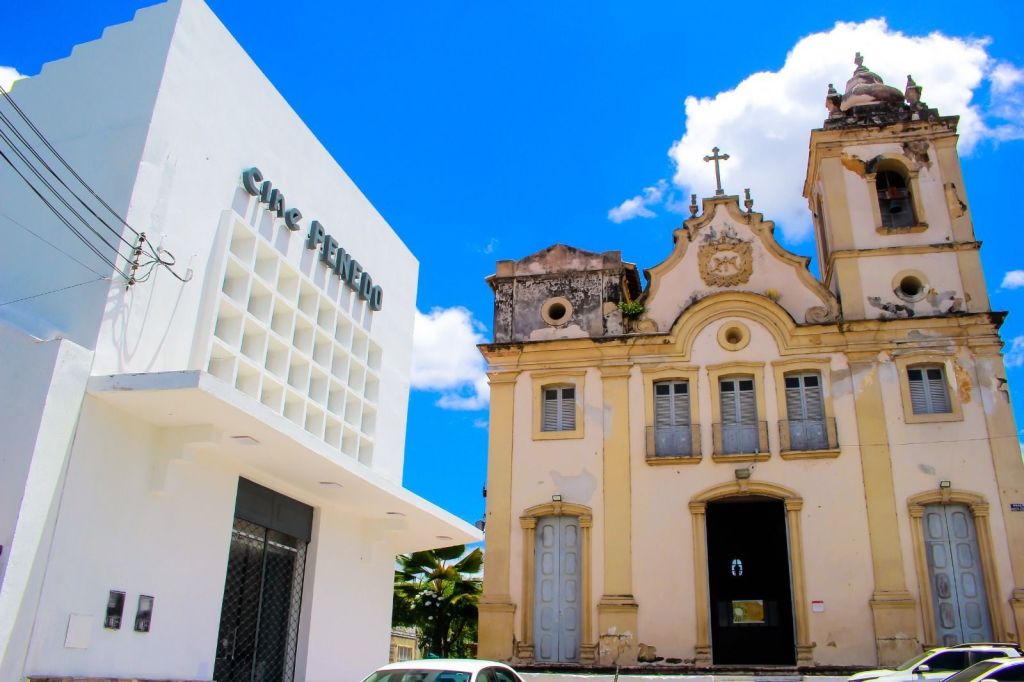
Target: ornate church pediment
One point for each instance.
(728, 249)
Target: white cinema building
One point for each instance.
(198, 480)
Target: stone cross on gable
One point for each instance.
(716, 157)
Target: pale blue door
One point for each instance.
(557, 590)
(958, 585)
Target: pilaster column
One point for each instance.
(617, 609)
(701, 590)
(496, 608)
(892, 606)
(804, 645)
(1009, 472)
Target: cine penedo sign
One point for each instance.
(331, 252)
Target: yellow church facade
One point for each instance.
(743, 464)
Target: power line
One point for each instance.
(48, 242)
(53, 291)
(41, 160)
(53, 190)
(158, 256)
(60, 158)
(92, 247)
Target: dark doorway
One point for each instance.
(259, 619)
(748, 572)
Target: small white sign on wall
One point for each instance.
(818, 606)
(79, 634)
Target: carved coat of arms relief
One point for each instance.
(725, 260)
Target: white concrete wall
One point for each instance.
(116, 533)
(42, 384)
(95, 108)
(215, 115)
(164, 136)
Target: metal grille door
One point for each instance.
(260, 615)
(958, 586)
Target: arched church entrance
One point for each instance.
(749, 581)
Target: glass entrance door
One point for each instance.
(260, 614)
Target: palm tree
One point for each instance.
(437, 592)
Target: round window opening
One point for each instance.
(556, 311)
(733, 336)
(910, 288)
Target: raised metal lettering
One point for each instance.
(291, 219)
(251, 179)
(316, 234)
(276, 203)
(329, 249)
(376, 297)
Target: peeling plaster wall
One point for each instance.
(833, 515)
(932, 196)
(591, 283)
(955, 451)
(942, 273)
(572, 468)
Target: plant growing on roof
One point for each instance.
(632, 309)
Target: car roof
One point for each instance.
(461, 665)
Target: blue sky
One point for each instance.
(485, 131)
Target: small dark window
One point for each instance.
(950, 661)
(894, 200)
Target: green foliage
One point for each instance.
(632, 309)
(437, 593)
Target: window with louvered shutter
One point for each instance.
(805, 427)
(738, 401)
(738, 430)
(803, 397)
(928, 392)
(559, 409)
(671, 403)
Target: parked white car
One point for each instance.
(940, 663)
(994, 669)
(445, 670)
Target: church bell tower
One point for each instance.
(892, 219)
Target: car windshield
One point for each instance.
(912, 663)
(975, 670)
(416, 675)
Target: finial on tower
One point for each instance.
(748, 203)
(693, 205)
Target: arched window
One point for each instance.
(894, 201)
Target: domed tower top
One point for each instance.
(869, 101)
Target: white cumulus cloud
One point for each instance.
(8, 74)
(1014, 279)
(445, 358)
(637, 207)
(1013, 355)
(763, 123)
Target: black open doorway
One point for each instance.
(748, 572)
